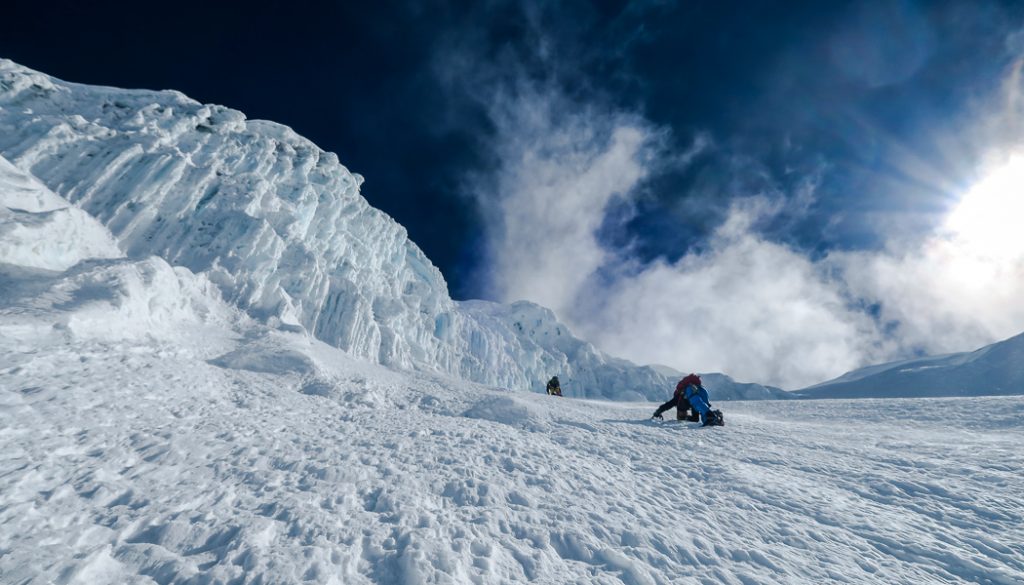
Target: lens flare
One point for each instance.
(988, 220)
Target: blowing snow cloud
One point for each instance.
(570, 166)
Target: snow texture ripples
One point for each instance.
(139, 463)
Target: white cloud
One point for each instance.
(962, 286)
(764, 312)
(744, 305)
(941, 296)
(561, 166)
(753, 308)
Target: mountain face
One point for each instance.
(280, 228)
(993, 370)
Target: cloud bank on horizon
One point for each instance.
(573, 167)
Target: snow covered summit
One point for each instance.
(280, 227)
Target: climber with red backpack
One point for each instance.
(691, 395)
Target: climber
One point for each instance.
(553, 387)
(692, 392)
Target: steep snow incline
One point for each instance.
(993, 370)
(279, 225)
(283, 461)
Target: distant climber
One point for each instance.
(691, 395)
(554, 388)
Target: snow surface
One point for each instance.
(993, 370)
(150, 432)
(282, 460)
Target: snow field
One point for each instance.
(139, 463)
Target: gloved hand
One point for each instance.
(657, 416)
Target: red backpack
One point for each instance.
(692, 379)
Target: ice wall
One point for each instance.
(280, 227)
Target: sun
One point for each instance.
(989, 220)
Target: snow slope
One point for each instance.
(152, 433)
(280, 227)
(993, 370)
(272, 458)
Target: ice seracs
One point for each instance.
(280, 227)
(39, 229)
(63, 277)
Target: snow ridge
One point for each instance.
(63, 278)
(994, 370)
(281, 228)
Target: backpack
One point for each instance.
(691, 380)
(716, 418)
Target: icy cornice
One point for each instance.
(276, 222)
(280, 227)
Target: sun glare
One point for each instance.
(990, 218)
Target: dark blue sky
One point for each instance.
(855, 98)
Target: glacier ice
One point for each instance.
(280, 227)
(62, 277)
(38, 229)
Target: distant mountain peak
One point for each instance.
(996, 369)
